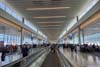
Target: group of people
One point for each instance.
(90, 48)
(82, 48)
(8, 49)
(21, 49)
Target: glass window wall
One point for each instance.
(9, 35)
(92, 33)
(27, 37)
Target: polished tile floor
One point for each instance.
(79, 59)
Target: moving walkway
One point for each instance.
(42, 58)
(52, 60)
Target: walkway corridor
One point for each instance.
(51, 60)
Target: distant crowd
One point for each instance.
(82, 48)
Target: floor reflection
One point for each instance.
(10, 58)
(81, 59)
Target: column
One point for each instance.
(21, 42)
(79, 36)
(82, 35)
(37, 37)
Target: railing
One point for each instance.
(63, 60)
(25, 62)
(40, 60)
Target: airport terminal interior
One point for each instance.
(49, 33)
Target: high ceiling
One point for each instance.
(50, 16)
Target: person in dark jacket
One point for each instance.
(3, 51)
(25, 50)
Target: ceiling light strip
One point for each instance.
(51, 22)
(50, 25)
(49, 8)
(49, 17)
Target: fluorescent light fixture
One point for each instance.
(47, 8)
(73, 22)
(68, 28)
(50, 25)
(87, 7)
(42, 17)
(42, 34)
(7, 7)
(29, 24)
(52, 22)
(63, 33)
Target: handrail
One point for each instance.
(40, 60)
(63, 60)
(33, 59)
(23, 62)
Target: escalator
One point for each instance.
(52, 60)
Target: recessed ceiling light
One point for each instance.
(49, 17)
(47, 8)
